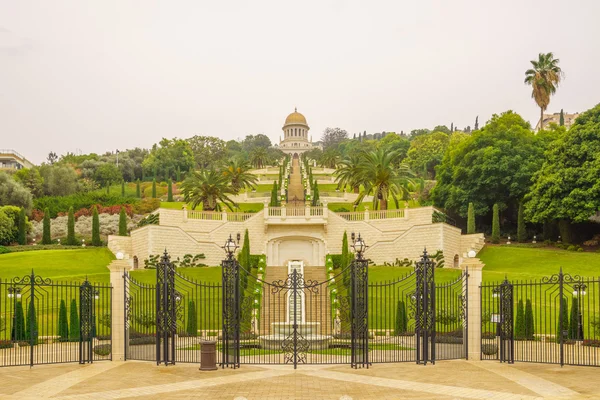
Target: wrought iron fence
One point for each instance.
(47, 322)
(552, 320)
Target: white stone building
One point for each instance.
(296, 139)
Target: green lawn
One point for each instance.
(361, 206)
(243, 207)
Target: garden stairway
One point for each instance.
(274, 306)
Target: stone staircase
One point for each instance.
(316, 301)
(476, 243)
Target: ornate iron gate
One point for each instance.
(424, 299)
(552, 320)
(46, 322)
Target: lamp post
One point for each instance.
(359, 246)
(14, 293)
(579, 290)
(231, 246)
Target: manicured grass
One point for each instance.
(361, 207)
(200, 274)
(242, 207)
(522, 263)
(382, 274)
(59, 265)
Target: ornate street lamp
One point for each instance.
(359, 246)
(230, 246)
(14, 292)
(579, 290)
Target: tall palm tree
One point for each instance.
(347, 173)
(544, 78)
(209, 188)
(258, 157)
(236, 172)
(330, 158)
(379, 177)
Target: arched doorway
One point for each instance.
(456, 260)
(309, 250)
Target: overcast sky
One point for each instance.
(96, 76)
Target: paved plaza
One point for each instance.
(445, 380)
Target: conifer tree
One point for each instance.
(496, 224)
(71, 241)
(18, 327)
(74, 328)
(521, 229)
(192, 322)
(46, 238)
(345, 248)
(138, 190)
(529, 322)
(471, 219)
(31, 327)
(95, 228)
(63, 324)
(22, 224)
(401, 319)
(520, 321)
(574, 320)
(178, 176)
(154, 188)
(246, 250)
(169, 190)
(123, 188)
(561, 121)
(563, 320)
(122, 222)
(274, 195)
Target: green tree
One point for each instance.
(169, 190)
(382, 179)
(209, 188)
(95, 228)
(471, 220)
(122, 222)
(566, 186)
(345, 251)
(14, 193)
(138, 190)
(574, 320)
(18, 326)
(244, 256)
(258, 157)
(154, 188)
(529, 321)
(426, 152)
(22, 237)
(561, 121)
(274, 195)
(496, 224)
(563, 320)
(63, 324)
(46, 237)
(59, 180)
(521, 229)
(31, 179)
(401, 319)
(543, 78)
(192, 322)
(520, 321)
(71, 241)
(74, 328)
(31, 329)
(347, 172)
(237, 173)
(168, 155)
(107, 173)
(316, 195)
(493, 165)
(122, 188)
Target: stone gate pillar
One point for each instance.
(117, 268)
(474, 267)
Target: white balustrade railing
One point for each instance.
(274, 211)
(352, 216)
(295, 212)
(239, 217)
(385, 214)
(205, 215)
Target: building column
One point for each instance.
(474, 266)
(117, 268)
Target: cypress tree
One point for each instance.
(520, 321)
(192, 323)
(123, 188)
(345, 256)
(521, 231)
(138, 190)
(471, 219)
(95, 228)
(496, 225)
(574, 320)
(178, 176)
(22, 238)
(46, 238)
(71, 228)
(401, 319)
(563, 320)
(74, 326)
(18, 328)
(122, 222)
(529, 323)
(31, 330)
(169, 190)
(154, 188)
(108, 188)
(63, 324)
(246, 250)
(274, 201)
(561, 121)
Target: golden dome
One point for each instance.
(295, 118)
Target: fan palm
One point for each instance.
(379, 177)
(236, 172)
(544, 78)
(258, 157)
(330, 158)
(347, 173)
(209, 188)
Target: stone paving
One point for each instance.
(445, 380)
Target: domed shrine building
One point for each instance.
(295, 135)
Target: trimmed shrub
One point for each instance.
(142, 340)
(74, 331)
(18, 328)
(401, 319)
(102, 349)
(192, 322)
(169, 190)
(122, 223)
(563, 320)
(71, 241)
(154, 188)
(46, 238)
(22, 225)
(138, 190)
(591, 343)
(122, 188)
(31, 329)
(574, 320)
(4, 250)
(345, 251)
(520, 321)
(521, 229)
(529, 321)
(63, 324)
(471, 219)
(95, 228)
(496, 224)
(489, 349)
